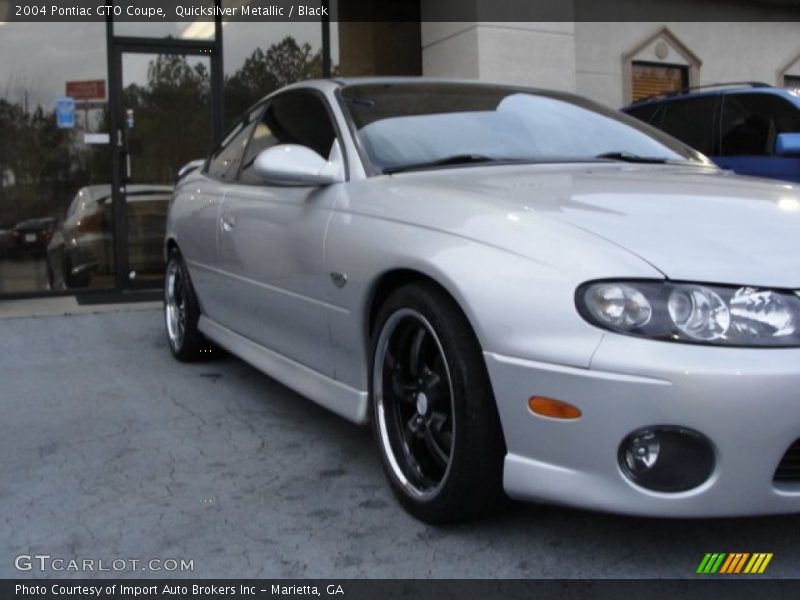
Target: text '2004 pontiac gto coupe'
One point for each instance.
(525, 293)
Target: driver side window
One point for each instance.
(293, 117)
(751, 123)
(224, 163)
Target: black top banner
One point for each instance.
(400, 10)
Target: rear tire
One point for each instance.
(433, 412)
(182, 312)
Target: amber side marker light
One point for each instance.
(555, 409)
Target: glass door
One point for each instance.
(165, 118)
(55, 160)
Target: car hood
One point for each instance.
(689, 223)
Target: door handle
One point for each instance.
(125, 153)
(228, 223)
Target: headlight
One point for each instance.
(730, 316)
(618, 305)
(699, 312)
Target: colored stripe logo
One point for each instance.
(734, 563)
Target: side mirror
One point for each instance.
(788, 144)
(189, 167)
(298, 165)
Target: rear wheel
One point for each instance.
(182, 312)
(433, 412)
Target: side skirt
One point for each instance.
(337, 397)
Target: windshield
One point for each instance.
(402, 126)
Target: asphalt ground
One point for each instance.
(111, 450)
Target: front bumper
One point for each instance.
(746, 401)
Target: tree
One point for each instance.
(263, 72)
(39, 163)
(42, 166)
(172, 117)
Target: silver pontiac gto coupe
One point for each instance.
(525, 293)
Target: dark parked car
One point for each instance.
(31, 237)
(84, 246)
(752, 128)
(5, 242)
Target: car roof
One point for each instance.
(408, 79)
(753, 88)
(422, 80)
(340, 82)
(36, 221)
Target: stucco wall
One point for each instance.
(728, 52)
(587, 57)
(532, 53)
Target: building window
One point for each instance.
(653, 79)
(792, 82)
(659, 64)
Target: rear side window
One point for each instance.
(293, 117)
(751, 123)
(76, 202)
(691, 120)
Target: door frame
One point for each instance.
(117, 47)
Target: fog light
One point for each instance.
(666, 459)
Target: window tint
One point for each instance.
(411, 125)
(76, 202)
(262, 139)
(224, 163)
(751, 123)
(294, 117)
(691, 121)
(644, 113)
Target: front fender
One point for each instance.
(517, 306)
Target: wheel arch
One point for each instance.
(394, 279)
(390, 281)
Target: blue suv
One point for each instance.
(751, 128)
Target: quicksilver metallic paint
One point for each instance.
(511, 244)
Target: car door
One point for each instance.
(749, 126)
(272, 239)
(203, 195)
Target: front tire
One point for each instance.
(182, 312)
(433, 411)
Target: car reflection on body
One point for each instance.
(83, 245)
(521, 290)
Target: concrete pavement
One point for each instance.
(109, 449)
